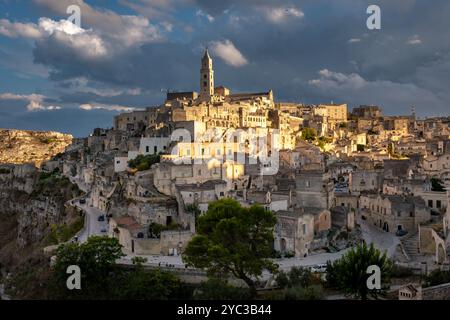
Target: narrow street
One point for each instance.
(382, 240)
(92, 225)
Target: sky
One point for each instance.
(55, 75)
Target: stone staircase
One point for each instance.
(411, 246)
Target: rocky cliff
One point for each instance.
(20, 146)
(34, 213)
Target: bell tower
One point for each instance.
(206, 77)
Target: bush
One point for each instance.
(63, 232)
(309, 134)
(218, 289)
(297, 276)
(436, 185)
(155, 229)
(437, 277)
(142, 163)
(401, 272)
(314, 292)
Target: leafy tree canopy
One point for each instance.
(349, 273)
(233, 240)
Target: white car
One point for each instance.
(319, 268)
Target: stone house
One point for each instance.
(294, 233)
(392, 213)
(202, 194)
(314, 189)
(342, 217)
(365, 180)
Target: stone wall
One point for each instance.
(440, 292)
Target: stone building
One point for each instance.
(393, 213)
(294, 233)
(314, 189)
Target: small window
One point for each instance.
(430, 203)
(438, 204)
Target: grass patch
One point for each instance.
(62, 232)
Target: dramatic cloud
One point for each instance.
(19, 30)
(128, 52)
(281, 14)
(122, 30)
(35, 101)
(401, 95)
(98, 106)
(228, 53)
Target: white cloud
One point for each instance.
(119, 30)
(35, 101)
(228, 53)
(353, 87)
(414, 40)
(200, 13)
(281, 14)
(101, 106)
(50, 26)
(354, 40)
(19, 30)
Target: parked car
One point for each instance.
(319, 268)
(82, 201)
(101, 218)
(103, 230)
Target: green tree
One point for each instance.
(194, 210)
(96, 259)
(349, 273)
(233, 240)
(219, 289)
(436, 185)
(140, 284)
(142, 163)
(314, 292)
(437, 277)
(297, 276)
(154, 230)
(309, 134)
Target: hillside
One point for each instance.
(23, 146)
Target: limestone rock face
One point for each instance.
(22, 146)
(36, 203)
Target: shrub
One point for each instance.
(218, 289)
(314, 292)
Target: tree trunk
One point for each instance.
(250, 283)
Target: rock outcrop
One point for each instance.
(23, 146)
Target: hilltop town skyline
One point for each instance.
(52, 73)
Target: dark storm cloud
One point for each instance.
(307, 50)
